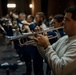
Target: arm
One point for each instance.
(57, 63)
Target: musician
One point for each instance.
(57, 22)
(8, 29)
(30, 20)
(31, 50)
(37, 59)
(23, 51)
(61, 56)
(26, 52)
(39, 18)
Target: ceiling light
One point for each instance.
(30, 5)
(11, 5)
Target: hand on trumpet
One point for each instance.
(42, 40)
(37, 29)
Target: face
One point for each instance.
(22, 17)
(68, 24)
(56, 23)
(29, 19)
(37, 18)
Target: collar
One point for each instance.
(72, 38)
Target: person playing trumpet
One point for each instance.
(57, 22)
(61, 55)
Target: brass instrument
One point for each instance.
(33, 42)
(32, 34)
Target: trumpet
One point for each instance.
(33, 34)
(33, 41)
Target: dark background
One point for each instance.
(49, 7)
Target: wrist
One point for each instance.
(47, 45)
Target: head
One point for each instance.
(50, 17)
(30, 18)
(22, 16)
(57, 20)
(70, 21)
(40, 17)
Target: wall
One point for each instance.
(58, 6)
(21, 6)
(0, 9)
(36, 6)
(49, 7)
(3, 7)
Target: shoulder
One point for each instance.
(64, 38)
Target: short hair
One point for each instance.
(32, 17)
(72, 10)
(59, 17)
(22, 14)
(41, 14)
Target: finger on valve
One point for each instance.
(37, 29)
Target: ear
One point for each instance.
(41, 19)
(60, 24)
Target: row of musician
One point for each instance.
(21, 32)
(20, 28)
